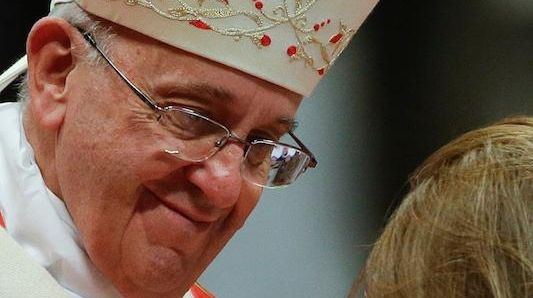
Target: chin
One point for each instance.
(160, 272)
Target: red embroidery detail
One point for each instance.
(2, 224)
(291, 51)
(200, 24)
(309, 46)
(336, 38)
(265, 40)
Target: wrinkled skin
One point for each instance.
(148, 220)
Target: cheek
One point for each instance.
(248, 199)
(99, 164)
(97, 186)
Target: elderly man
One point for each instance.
(147, 130)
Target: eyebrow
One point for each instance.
(290, 122)
(206, 93)
(200, 92)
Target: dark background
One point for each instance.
(444, 67)
(16, 19)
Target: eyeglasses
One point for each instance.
(194, 137)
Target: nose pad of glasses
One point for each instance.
(173, 152)
(179, 155)
(220, 143)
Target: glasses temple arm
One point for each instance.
(313, 161)
(90, 39)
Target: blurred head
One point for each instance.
(121, 120)
(465, 228)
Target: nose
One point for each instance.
(219, 177)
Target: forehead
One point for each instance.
(163, 68)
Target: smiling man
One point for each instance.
(146, 131)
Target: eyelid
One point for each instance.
(195, 109)
(264, 135)
(274, 134)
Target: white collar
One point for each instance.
(37, 219)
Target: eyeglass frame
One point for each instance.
(230, 136)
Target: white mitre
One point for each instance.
(291, 43)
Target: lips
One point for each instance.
(198, 219)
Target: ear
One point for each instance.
(50, 61)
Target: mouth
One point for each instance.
(199, 221)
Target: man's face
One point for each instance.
(150, 221)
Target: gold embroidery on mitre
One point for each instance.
(214, 15)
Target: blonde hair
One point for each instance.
(465, 229)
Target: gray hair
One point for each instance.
(78, 18)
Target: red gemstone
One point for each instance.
(259, 5)
(321, 71)
(316, 27)
(336, 38)
(265, 40)
(291, 51)
(200, 24)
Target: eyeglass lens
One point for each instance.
(195, 138)
(273, 165)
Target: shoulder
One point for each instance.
(9, 119)
(21, 276)
(9, 110)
